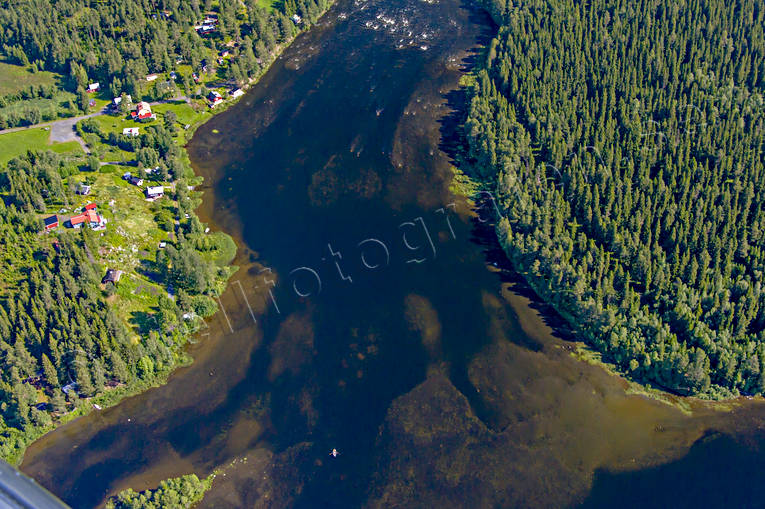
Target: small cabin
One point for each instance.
(51, 222)
(94, 87)
(112, 276)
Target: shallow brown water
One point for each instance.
(423, 364)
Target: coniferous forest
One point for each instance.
(625, 141)
(118, 43)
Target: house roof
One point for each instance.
(78, 219)
(92, 217)
(90, 206)
(51, 220)
(112, 275)
(155, 190)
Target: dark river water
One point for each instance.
(373, 314)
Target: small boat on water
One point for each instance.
(334, 453)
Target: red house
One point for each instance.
(51, 223)
(90, 206)
(77, 221)
(142, 112)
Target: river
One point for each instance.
(374, 314)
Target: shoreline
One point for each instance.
(466, 187)
(115, 396)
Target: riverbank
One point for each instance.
(468, 184)
(472, 189)
(114, 396)
(669, 305)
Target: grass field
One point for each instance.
(131, 239)
(67, 146)
(14, 78)
(52, 107)
(184, 112)
(115, 124)
(18, 143)
(268, 4)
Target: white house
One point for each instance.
(214, 98)
(136, 181)
(154, 192)
(94, 87)
(237, 93)
(151, 77)
(118, 100)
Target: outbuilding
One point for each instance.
(51, 222)
(112, 276)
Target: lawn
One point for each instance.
(19, 142)
(114, 123)
(67, 146)
(129, 242)
(184, 112)
(268, 4)
(15, 77)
